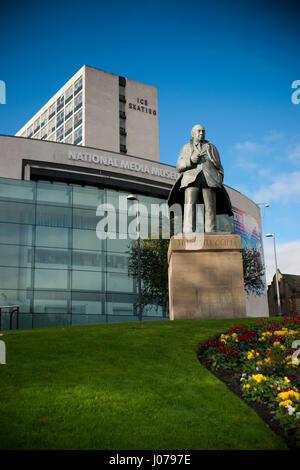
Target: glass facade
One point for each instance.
(53, 265)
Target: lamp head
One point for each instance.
(132, 197)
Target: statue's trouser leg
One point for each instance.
(189, 215)
(209, 197)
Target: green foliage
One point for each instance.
(154, 270)
(253, 271)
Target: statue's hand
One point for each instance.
(195, 158)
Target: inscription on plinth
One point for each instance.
(206, 281)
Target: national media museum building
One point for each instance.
(96, 139)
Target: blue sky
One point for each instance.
(228, 65)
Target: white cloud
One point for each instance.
(288, 258)
(249, 146)
(273, 136)
(294, 155)
(285, 187)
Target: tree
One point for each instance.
(154, 270)
(253, 271)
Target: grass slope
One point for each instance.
(121, 386)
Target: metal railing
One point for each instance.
(15, 309)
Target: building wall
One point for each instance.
(256, 305)
(101, 110)
(142, 120)
(286, 292)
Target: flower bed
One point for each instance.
(265, 358)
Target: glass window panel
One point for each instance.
(120, 308)
(51, 126)
(44, 132)
(119, 282)
(60, 133)
(87, 239)
(117, 263)
(57, 258)
(78, 135)
(152, 311)
(52, 237)
(25, 321)
(118, 245)
(37, 135)
(69, 109)
(36, 124)
(88, 260)
(14, 255)
(52, 110)
(60, 101)
(15, 234)
(68, 126)
(17, 189)
(78, 102)
(69, 139)
(16, 297)
(89, 197)
(53, 216)
(78, 85)
(87, 319)
(50, 279)
(54, 319)
(54, 193)
(85, 219)
(17, 212)
(50, 302)
(60, 117)
(69, 92)
(78, 119)
(113, 197)
(15, 278)
(84, 303)
(30, 131)
(86, 280)
(43, 118)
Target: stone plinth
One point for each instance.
(206, 277)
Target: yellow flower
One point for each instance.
(287, 395)
(259, 363)
(267, 360)
(246, 386)
(282, 347)
(255, 389)
(234, 335)
(286, 402)
(276, 343)
(287, 380)
(258, 378)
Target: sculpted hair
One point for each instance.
(194, 128)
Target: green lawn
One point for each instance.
(121, 386)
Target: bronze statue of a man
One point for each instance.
(200, 181)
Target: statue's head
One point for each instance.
(198, 133)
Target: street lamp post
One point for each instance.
(272, 235)
(132, 197)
